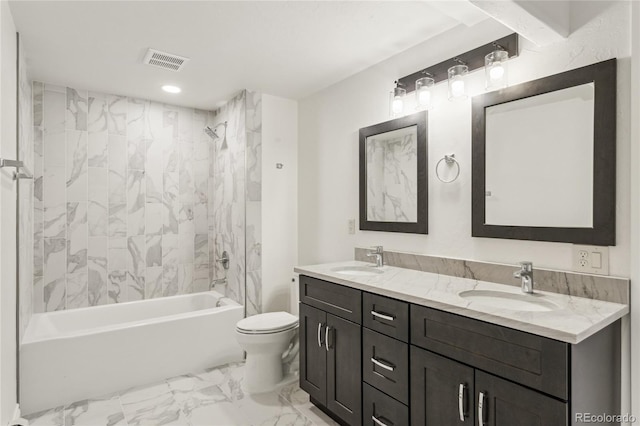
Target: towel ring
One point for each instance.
(449, 159)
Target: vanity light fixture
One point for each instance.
(495, 68)
(423, 91)
(171, 89)
(456, 77)
(396, 104)
(454, 70)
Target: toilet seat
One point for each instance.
(272, 322)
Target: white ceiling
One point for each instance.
(285, 48)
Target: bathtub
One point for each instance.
(73, 355)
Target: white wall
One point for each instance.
(328, 145)
(8, 106)
(279, 200)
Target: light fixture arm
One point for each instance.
(473, 59)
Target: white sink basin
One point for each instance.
(510, 301)
(362, 271)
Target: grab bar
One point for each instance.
(22, 172)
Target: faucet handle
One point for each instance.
(378, 249)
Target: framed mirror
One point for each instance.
(544, 159)
(393, 175)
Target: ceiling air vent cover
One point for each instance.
(164, 60)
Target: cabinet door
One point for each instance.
(344, 372)
(313, 355)
(441, 391)
(507, 404)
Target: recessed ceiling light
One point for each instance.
(171, 89)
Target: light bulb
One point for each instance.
(397, 105)
(171, 89)
(497, 72)
(424, 97)
(457, 88)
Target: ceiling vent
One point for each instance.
(164, 60)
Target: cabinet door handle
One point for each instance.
(378, 422)
(461, 392)
(383, 316)
(383, 364)
(481, 409)
(326, 338)
(320, 334)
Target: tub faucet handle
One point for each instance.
(224, 260)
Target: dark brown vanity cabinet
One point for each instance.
(331, 345)
(469, 372)
(385, 360)
(446, 392)
(369, 359)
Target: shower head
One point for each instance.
(213, 133)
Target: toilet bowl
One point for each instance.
(265, 338)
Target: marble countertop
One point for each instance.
(574, 319)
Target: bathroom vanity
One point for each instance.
(393, 346)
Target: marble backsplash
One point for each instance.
(121, 199)
(610, 289)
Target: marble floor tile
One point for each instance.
(105, 411)
(208, 398)
(53, 417)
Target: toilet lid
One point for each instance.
(271, 322)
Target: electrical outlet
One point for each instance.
(351, 223)
(591, 259)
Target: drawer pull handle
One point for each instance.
(326, 337)
(383, 316)
(378, 422)
(383, 364)
(481, 409)
(320, 334)
(461, 392)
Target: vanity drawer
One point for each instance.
(386, 316)
(336, 299)
(534, 361)
(385, 364)
(384, 408)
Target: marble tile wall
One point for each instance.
(254, 202)
(26, 197)
(121, 202)
(610, 289)
(235, 199)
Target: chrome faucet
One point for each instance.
(526, 275)
(378, 253)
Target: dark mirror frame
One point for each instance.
(603, 232)
(418, 119)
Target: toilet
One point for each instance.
(265, 338)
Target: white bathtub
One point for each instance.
(72, 355)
